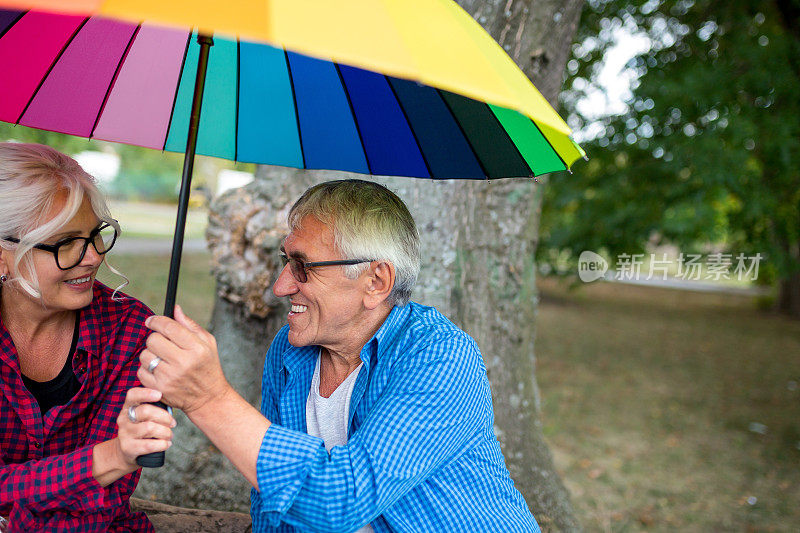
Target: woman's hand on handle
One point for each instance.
(143, 429)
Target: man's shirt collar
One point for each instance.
(297, 358)
(386, 333)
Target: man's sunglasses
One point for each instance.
(299, 267)
(70, 252)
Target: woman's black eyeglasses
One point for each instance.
(70, 251)
(298, 267)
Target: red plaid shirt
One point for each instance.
(46, 481)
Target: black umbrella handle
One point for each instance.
(156, 459)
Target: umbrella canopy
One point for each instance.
(133, 83)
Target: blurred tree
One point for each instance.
(65, 143)
(708, 149)
(147, 175)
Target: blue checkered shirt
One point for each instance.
(421, 454)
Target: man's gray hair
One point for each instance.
(31, 176)
(369, 222)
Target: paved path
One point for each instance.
(699, 286)
(156, 246)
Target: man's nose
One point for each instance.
(285, 285)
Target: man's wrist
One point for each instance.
(235, 427)
(214, 405)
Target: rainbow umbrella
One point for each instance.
(414, 88)
(353, 108)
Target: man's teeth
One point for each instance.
(79, 280)
(299, 308)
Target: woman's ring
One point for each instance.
(132, 414)
(153, 364)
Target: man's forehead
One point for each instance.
(293, 251)
(310, 237)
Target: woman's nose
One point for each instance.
(91, 257)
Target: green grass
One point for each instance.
(650, 400)
(148, 276)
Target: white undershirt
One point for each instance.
(328, 418)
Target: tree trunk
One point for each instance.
(478, 244)
(789, 287)
(494, 296)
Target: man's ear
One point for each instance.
(380, 283)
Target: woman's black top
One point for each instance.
(60, 389)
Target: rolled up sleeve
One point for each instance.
(57, 483)
(284, 461)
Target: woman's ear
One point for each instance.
(6, 260)
(380, 283)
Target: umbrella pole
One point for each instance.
(156, 459)
(186, 179)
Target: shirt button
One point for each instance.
(36, 444)
(81, 369)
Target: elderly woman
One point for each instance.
(71, 416)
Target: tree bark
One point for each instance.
(493, 296)
(789, 287)
(478, 244)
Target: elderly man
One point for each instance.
(376, 412)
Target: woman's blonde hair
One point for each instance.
(31, 177)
